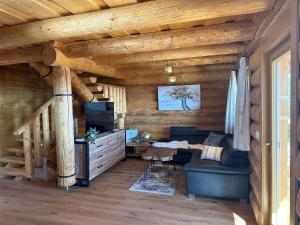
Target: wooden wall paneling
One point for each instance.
(255, 184)
(142, 103)
(255, 96)
(255, 78)
(21, 93)
(255, 157)
(256, 208)
(255, 113)
(181, 78)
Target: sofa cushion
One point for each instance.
(232, 157)
(213, 139)
(183, 134)
(211, 153)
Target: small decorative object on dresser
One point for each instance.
(92, 159)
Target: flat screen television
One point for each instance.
(99, 115)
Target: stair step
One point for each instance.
(21, 140)
(15, 150)
(6, 171)
(12, 159)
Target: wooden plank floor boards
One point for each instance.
(107, 201)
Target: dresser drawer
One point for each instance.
(121, 135)
(112, 144)
(98, 157)
(99, 145)
(98, 168)
(112, 137)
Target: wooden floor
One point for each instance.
(108, 202)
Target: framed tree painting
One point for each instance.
(182, 97)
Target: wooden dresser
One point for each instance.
(94, 159)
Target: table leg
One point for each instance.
(166, 171)
(145, 169)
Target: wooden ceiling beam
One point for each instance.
(78, 86)
(160, 41)
(54, 57)
(191, 52)
(177, 70)
(20, 55)
(132, 17)
(208, 60)
(184, 38)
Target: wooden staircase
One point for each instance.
(34, 140)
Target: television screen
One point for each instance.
(99, 115)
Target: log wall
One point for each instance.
(142, 102)
(255, 156)
(21, 93)
(257, 49)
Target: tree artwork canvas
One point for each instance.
(183, 97)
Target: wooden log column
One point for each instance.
(64, 126)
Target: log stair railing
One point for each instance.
(35, 139)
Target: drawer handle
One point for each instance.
(99, 166)
(99, 146)
(99, 156)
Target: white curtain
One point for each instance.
(231, 103)
(241, 139)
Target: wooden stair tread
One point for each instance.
(7, 171)
(21, 140)
(12, 159)
(15, 150)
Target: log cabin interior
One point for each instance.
(149, 112)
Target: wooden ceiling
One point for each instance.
(131, 33)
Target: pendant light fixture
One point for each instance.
(169, 71)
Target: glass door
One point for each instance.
(281, 117)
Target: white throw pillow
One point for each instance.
(212, 153)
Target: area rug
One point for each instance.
(156, 182)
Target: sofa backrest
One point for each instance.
(183, 134)
(227, 144)
(190, 134)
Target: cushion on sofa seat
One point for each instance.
(209, 166)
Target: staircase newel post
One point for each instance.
(27, 152)
(64, 126)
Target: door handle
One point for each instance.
(268, 146)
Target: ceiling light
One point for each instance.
(172, 78)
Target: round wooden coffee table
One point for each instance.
(164, 155)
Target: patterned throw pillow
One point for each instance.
(213, 139)
(212, 153)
